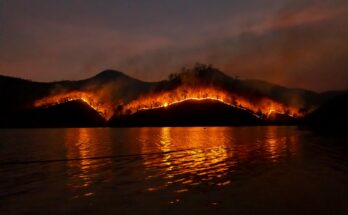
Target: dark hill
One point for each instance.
(331, 116)
(116, 88)
(70, 114)
(189, 113)
(109, 75)
(206, 75)
(18, 94)
(281, 119)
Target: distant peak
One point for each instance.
(109, 74)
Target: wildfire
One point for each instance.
(104, 109)
(262, 107)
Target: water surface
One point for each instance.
(241, 170)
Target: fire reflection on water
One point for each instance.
(172, 159)
(82, 144)
(194, 160)
(278, 145)
(190, 157)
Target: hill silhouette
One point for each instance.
(18, 96)
(189, 113)
(70, 114)
(331, 116)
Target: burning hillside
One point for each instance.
(262, 107)
(191, 112)
(103, 108)
(112, 93)
(202, 83)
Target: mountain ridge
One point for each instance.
(118, 88)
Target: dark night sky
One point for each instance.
(297, 43)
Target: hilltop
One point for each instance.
(115, 90)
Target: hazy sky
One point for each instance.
(297, 43)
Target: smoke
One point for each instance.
(297, 43)
(303, 44)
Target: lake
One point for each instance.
(172, 170)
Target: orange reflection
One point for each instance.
(273, 144)
(276, 143)
(165, 146)
(201, 161)
(178, 160)
(82, 144)
(187, 157)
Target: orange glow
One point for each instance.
(104, 109)
(260, 107)
(185, 157)
(190, 167)
(263, 106)
(83, 144)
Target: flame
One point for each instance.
(104, 109)
(263, 107)
(260, 107)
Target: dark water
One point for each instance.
(215, 170)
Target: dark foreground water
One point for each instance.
(214, 170)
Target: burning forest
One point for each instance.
(262, 107)
(202, 83)
(103, 108)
